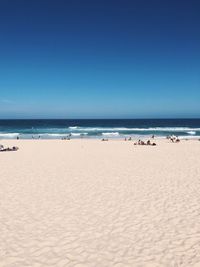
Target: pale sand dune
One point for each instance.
(100, 204)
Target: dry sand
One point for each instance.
(100, 204)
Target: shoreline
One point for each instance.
(133, 138)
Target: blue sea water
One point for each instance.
(98, 128)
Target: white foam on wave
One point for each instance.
(73, 127)
(191, 132)
(53, 134)
(111, 134)
(9, 135)
(170, 129)
(78, 134)
(63, 134)
(114, 129)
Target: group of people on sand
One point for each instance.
(68, 137)
(128, 139)
(142, 143)
(65, 138)
(36, 137)
(4, 149)
(139, 142)
(173, 138)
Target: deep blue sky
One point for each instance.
(99, 58)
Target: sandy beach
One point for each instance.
(99, 204)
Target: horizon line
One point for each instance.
(178, 118)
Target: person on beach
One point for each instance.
(174, 139)
(142, 143)
(3, 149)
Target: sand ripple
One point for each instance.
(94, 204)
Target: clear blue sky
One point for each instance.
(99, 58)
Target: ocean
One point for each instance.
(98, 128)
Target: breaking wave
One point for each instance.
(73, 127)
(9, 135)
(78, 134)
(111, 134)
(191, 132)
(161, 129)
